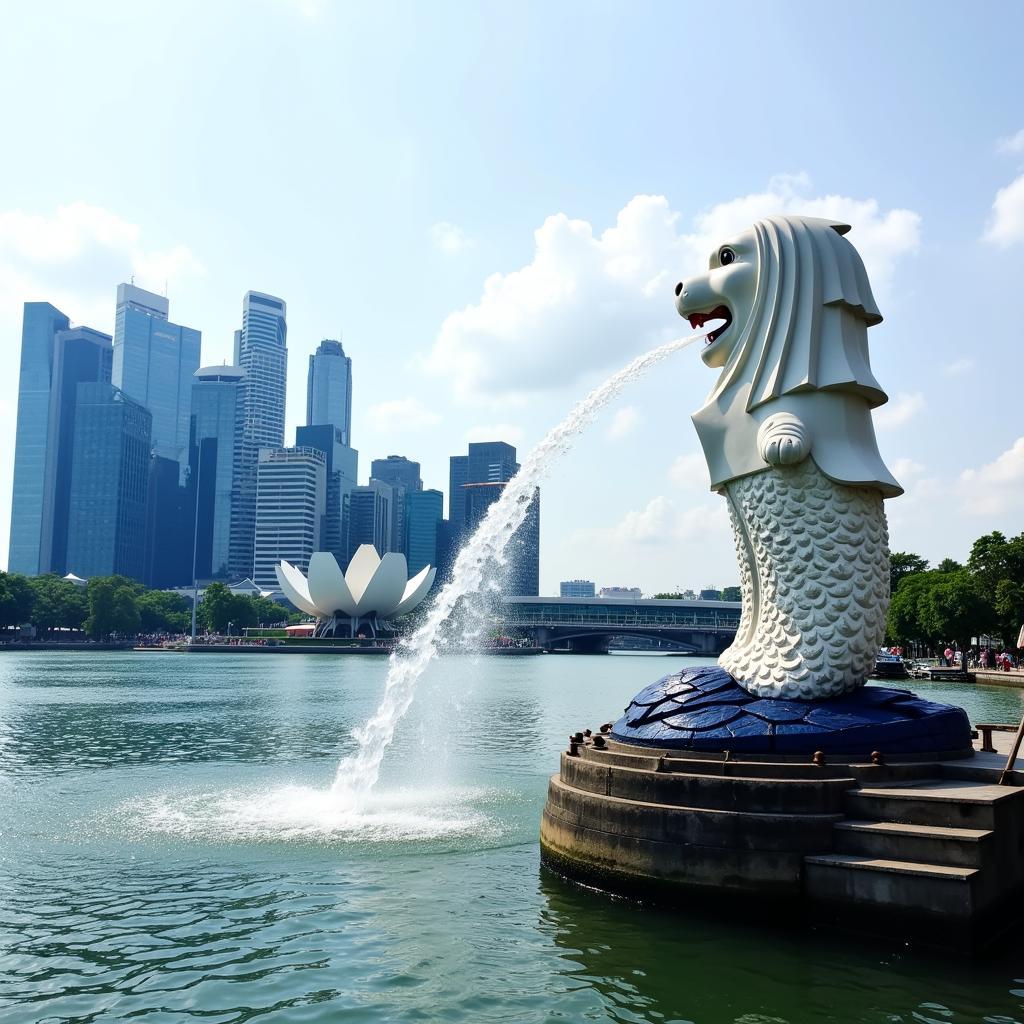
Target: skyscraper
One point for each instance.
(477, 480)
(109, 479)
(154, 361)
(342, 465)
(398, 471)
(40, 323)
(423, 516)
(260, 350)
(215, 451)
(289, 509)
(80, 356)
(329, 389)
(371, 518)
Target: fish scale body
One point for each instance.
(814, 575)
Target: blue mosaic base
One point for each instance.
(705, 709)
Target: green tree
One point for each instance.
(902, 564)
(954, 608)
(731, 594)
(113, 606)
(16, 599)
(674, 595)
(948, 565)
(269, 612)
(163, 612)
(214, 612)
(997, 566)
(57, 603)
(905, 623)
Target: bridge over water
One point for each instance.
(587, 625)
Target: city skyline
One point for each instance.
(494, 237)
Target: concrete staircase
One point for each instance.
(942, 847)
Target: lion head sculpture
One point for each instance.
(796, 304)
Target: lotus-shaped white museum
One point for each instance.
(372, 591)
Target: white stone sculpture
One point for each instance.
(370, 592)
(789, 442)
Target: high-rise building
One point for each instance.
(80, 356)
(398, 471)
(342, 465)
(154, 362)
(476, 482)
(329, 389)
(371, 518)
(170, 520)
(424, 511)
(522, 577)
(109, 480)
(215, 451)
(576, 588)
(40, 324)
(289, 509)
(260, 350)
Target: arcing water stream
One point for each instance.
(479, 558)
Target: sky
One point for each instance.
(491, 204)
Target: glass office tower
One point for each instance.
(261, 351)
(218, 410)
(40, 324)
(329, 389)
(154, 362)
(423, 514)
(109, 479)
(80, 356)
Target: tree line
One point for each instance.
(955, 602)
(116, 604)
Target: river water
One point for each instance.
(169, 852)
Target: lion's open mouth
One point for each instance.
(698, 320)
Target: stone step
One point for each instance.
(709, 828)
(927, 844)
(896, 885)
(679, 789)
(947, 803)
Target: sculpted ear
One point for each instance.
(840, 229)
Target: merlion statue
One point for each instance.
(789, 442)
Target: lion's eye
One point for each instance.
(726, 256)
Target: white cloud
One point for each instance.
(623, 423)
(662, 521)
(690, 471)
(495, 432)
(1006, 222)
(901, 409)
(449, 238)
(588, 300)
(398, 415)
(998, 487)
(958, 366)
(907, 469)
(1011, 143)
(75, 256)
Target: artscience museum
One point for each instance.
(361, 601)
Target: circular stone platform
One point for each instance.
(704, 709)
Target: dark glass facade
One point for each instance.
(342, 464)
(423, 516)
(169, 511)
(398, 471)
(215, 446)
(329, 389)
(80, 356)
(109, 482)
(40, 323)
(154, 363)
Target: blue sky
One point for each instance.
(492, 203)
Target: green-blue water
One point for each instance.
(168, 853)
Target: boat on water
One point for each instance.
(889, 666)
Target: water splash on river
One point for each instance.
(474, 568)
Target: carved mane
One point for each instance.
(807, 329)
